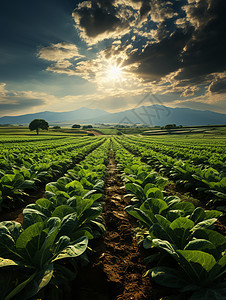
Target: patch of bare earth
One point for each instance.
(119, 256)
(95, 132)
(172, 189)
(16, 214)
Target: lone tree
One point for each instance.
(37, 124)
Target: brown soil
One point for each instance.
(220, 225)
(17, 213)
(117, 255)
(173, 189)
(121, 262)
(94, 132)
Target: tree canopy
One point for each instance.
(87, 126)
(38, 124)
(76, 126)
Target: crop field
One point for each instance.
(23, 131)
(112, 217)
(107, 131)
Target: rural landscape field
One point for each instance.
(112, 216)
(113, 150)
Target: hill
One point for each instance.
(55, 117)
(155, 115)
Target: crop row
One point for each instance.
(44, 254)
(24, 139)
(32, 171)
(203, 179)
(42, 153)
(207, 156)
(37, 146)
(185, 253)
(213, 144)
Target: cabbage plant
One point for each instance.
(35, 251)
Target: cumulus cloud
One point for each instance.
(3, 90)
(99, 20)
(59, 52)
(63, 55)
(159, 59)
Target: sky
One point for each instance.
(60, 55)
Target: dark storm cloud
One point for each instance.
(99, 18)
(218, 86)
(145, 7)
(195, 52)
(159, 6)
(205, 51)
(160, 59)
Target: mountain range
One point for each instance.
(155, 115)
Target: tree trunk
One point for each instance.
(37, 130)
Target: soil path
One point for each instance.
(120, 258)
(95, 132)
(117, 269)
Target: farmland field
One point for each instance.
(86, 217)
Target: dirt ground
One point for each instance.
(94, 132)
(122, 261)
(117, 259)
(17, 213)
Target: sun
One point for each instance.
(114, 72)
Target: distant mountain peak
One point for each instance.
(146, 115)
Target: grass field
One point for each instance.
(192, 138)
(107, 131)
(14, 130)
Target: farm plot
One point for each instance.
(202, 179)
(55, 230)
(185, 252)
(88, 234)
(213, 155)
(24, 168)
